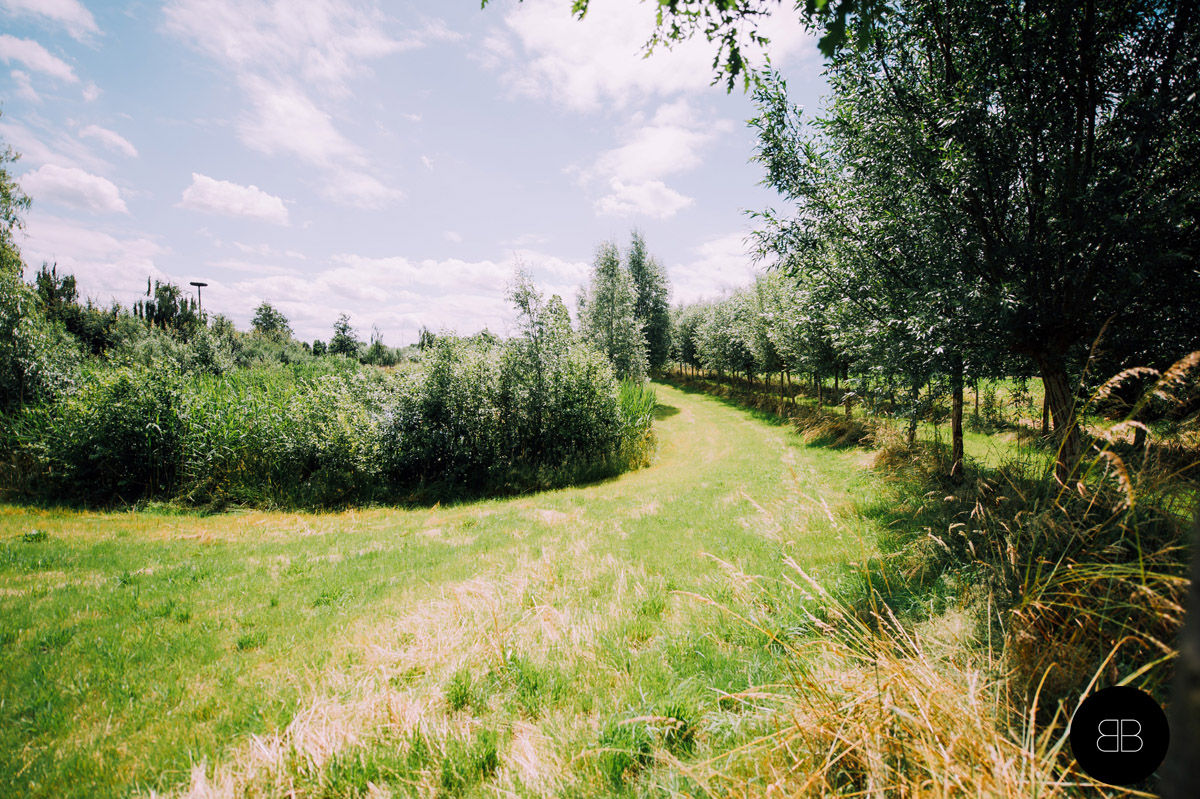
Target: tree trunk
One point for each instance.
(977, 398)
(1045, 413)
(1061, 404)
(817, 383)
(956, 418)
(836, 390)
(914, 396)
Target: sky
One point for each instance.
(393, 161)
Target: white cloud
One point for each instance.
(107, 265)
(544, 51)
(397, 293)
(110, 139)
(49, 144)
(69, 14)
(292, 60)
(91, 92)
(322, 42)
(358, 189)
(266, 250)
(452, 236)
(75, 187)
(35, 57)
(670, 143)
(722, 263)
(651, 198)
(285, 120)
(231, 199)
(24, 86)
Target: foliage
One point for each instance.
(608, 315)
(118, 436)
(38, 359)
(652, 307)
(13, 203)
(344, 340)
(270, 322)
(166, 307)
(226, 417)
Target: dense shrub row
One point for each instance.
(478, 417)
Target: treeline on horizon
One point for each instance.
(161, 402)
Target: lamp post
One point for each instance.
(199, 299)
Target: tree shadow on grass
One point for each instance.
(664, 411)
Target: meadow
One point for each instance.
(500, 644)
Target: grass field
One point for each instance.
(567, 642)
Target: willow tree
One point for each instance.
(608, 315)
(652, 301)
(1052, 153)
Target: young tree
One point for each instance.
(607, 312)
(344, 340)
(13, 203)
(652, 307)
(166, 307)
(270, 323)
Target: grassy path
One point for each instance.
(488, 647)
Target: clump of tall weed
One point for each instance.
(872, 710)
(1078, 580)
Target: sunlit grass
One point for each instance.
(143, 649)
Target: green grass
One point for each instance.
(139, 644)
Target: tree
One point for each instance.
(13, 203)
(652, 306)
(318, 348)
(607, 313)
(344, 340)
(38, 358)
(1045, 163)
(271, 323)
(378, 353)
(166, 307)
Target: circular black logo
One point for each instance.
(1119, 735)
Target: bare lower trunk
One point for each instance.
(1046, 414)
(956, 419)
(1061, 403)
(914, 397)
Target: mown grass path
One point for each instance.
(264, 652)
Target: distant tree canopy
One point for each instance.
(270, 322)
(345, 340)
(166, 307)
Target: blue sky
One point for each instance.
(393, 161)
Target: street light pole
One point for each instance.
(199, 299)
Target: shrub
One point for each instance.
(116, 438)
(38, 358)
(287, 435)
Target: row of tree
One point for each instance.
(996, 186)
